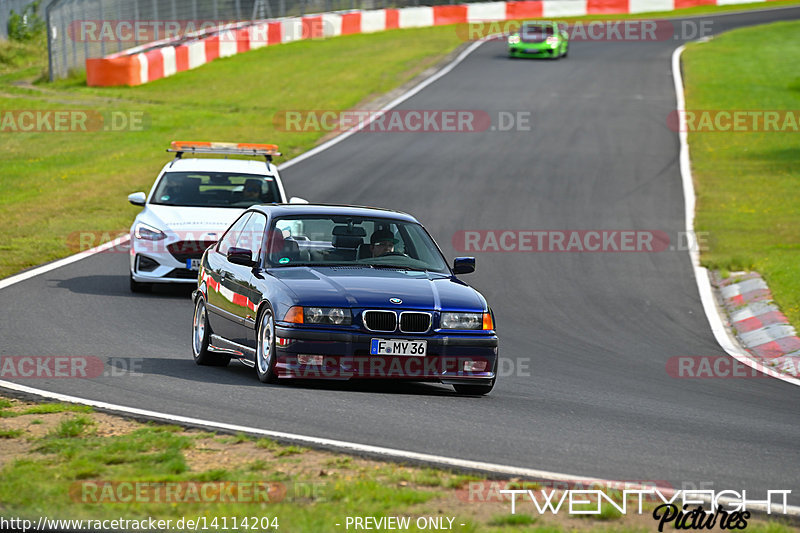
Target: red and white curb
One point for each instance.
(759, 325)
(754, 290)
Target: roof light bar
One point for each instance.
(204, 147)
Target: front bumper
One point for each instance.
(152, 262)
(528, 50)
(325, 354)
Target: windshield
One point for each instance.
(215, 189)
(342, 240)
(536, 32)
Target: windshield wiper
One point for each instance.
(313, 264)
(398, 267)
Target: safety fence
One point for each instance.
(83, 29)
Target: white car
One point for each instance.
(192, 203)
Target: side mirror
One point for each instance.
(463, 265)
(137, 198)
(297, 200)
(241, 256)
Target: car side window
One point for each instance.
(252, 234)
(232, 235)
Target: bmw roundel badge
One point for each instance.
(396, 300)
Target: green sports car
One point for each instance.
(538, 39)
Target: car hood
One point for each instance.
(364, 287)
(197, 221)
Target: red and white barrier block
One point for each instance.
(164, 58)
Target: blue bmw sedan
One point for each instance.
(341, 292)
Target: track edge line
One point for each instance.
(701, 274)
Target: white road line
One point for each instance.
(700, 273)
(28, 274)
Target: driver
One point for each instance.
(382, 242)
(252, 190)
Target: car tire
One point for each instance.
(137, 286)
(201, 333)
(478, 390)
(265, 347)
(566, 51)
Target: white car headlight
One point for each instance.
(327, 315)
(552, 40)
(462, 321)
(513, 39)
(147, 232)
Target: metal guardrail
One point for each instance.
(82, 29)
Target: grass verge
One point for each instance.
(747, 182)
(74, 464)
(57, 184)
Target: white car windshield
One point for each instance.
(215, 189)
(343, 240)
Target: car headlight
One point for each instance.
(466, 321)
(552, 40)
(513, 39)
(319, 315)
(148, 233)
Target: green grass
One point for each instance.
(20, 60)
(47, 408)
(10, 433)
(156, 454)
(71, 428)
(747, 183)
(235, 439)
(267, 444)
(57, 185)
(290, 450)
(512, 520)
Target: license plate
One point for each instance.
(533, 51)
(193, 264)
(398, 347)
